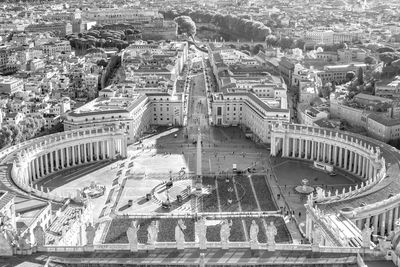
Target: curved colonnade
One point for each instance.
(38, 158)
(370, 203)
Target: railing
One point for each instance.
(210, 245)
(214, 215)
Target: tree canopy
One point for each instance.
(186, 25)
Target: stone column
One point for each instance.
(346, 158)
(300, 148)
(359, 167)
(293, 147)
(273, 146)
(79, 155)
(73, 155)
(306, 154)
(41, 165)
(62, 158)
(96, 149)
(363, 167)
(111, 149)
(85, 154)
(91, 151)
(340, 157)
(335, 151)
(352, 164)
(36, 162)
(390, 220)
(57, 160)
(51, 161)
(33, 174)
(67, 149)
(312, 149)
(383, 223)
(103, 149)
(30, 173)
(396, 213)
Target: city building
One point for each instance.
(10, 86)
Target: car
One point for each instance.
(130, 202)
(175, 135)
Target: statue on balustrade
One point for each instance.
(201, 232)
(8, 236)
(316, 235)
(152, 233)
(254, 229)
(271, 232)
(131, 233)
(90, 234)
(39, 235)
(225, 231)
(366, 235)
(179, 234)
(24, 241)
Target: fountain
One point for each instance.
(304, 188)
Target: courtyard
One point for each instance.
(136, 187)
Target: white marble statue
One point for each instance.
(225, 230)
(316, 235)
(40, 235)
(179, 234)
(366, 235)
(271, 232)
(254, 229)
(90, 234)
(201, 232)
(131, 233)
(152, 233)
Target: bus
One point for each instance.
(324, 167)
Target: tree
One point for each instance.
(350, 75)
(271, 40)
(360, 77)
(300, 43)
(186, 25)
(388, 57)
(257, 48)
(384, 49)
(370, 60)
(286, 42)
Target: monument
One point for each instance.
(254, 229)
(90, 234)
(316, 236)
(271, 232)
(39, 235)
(131, 233)
(201, 232)
(225, 233)
(366, 236)
(179, 234)
(152, 234)
(7, 236)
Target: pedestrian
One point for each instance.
(299, 214)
